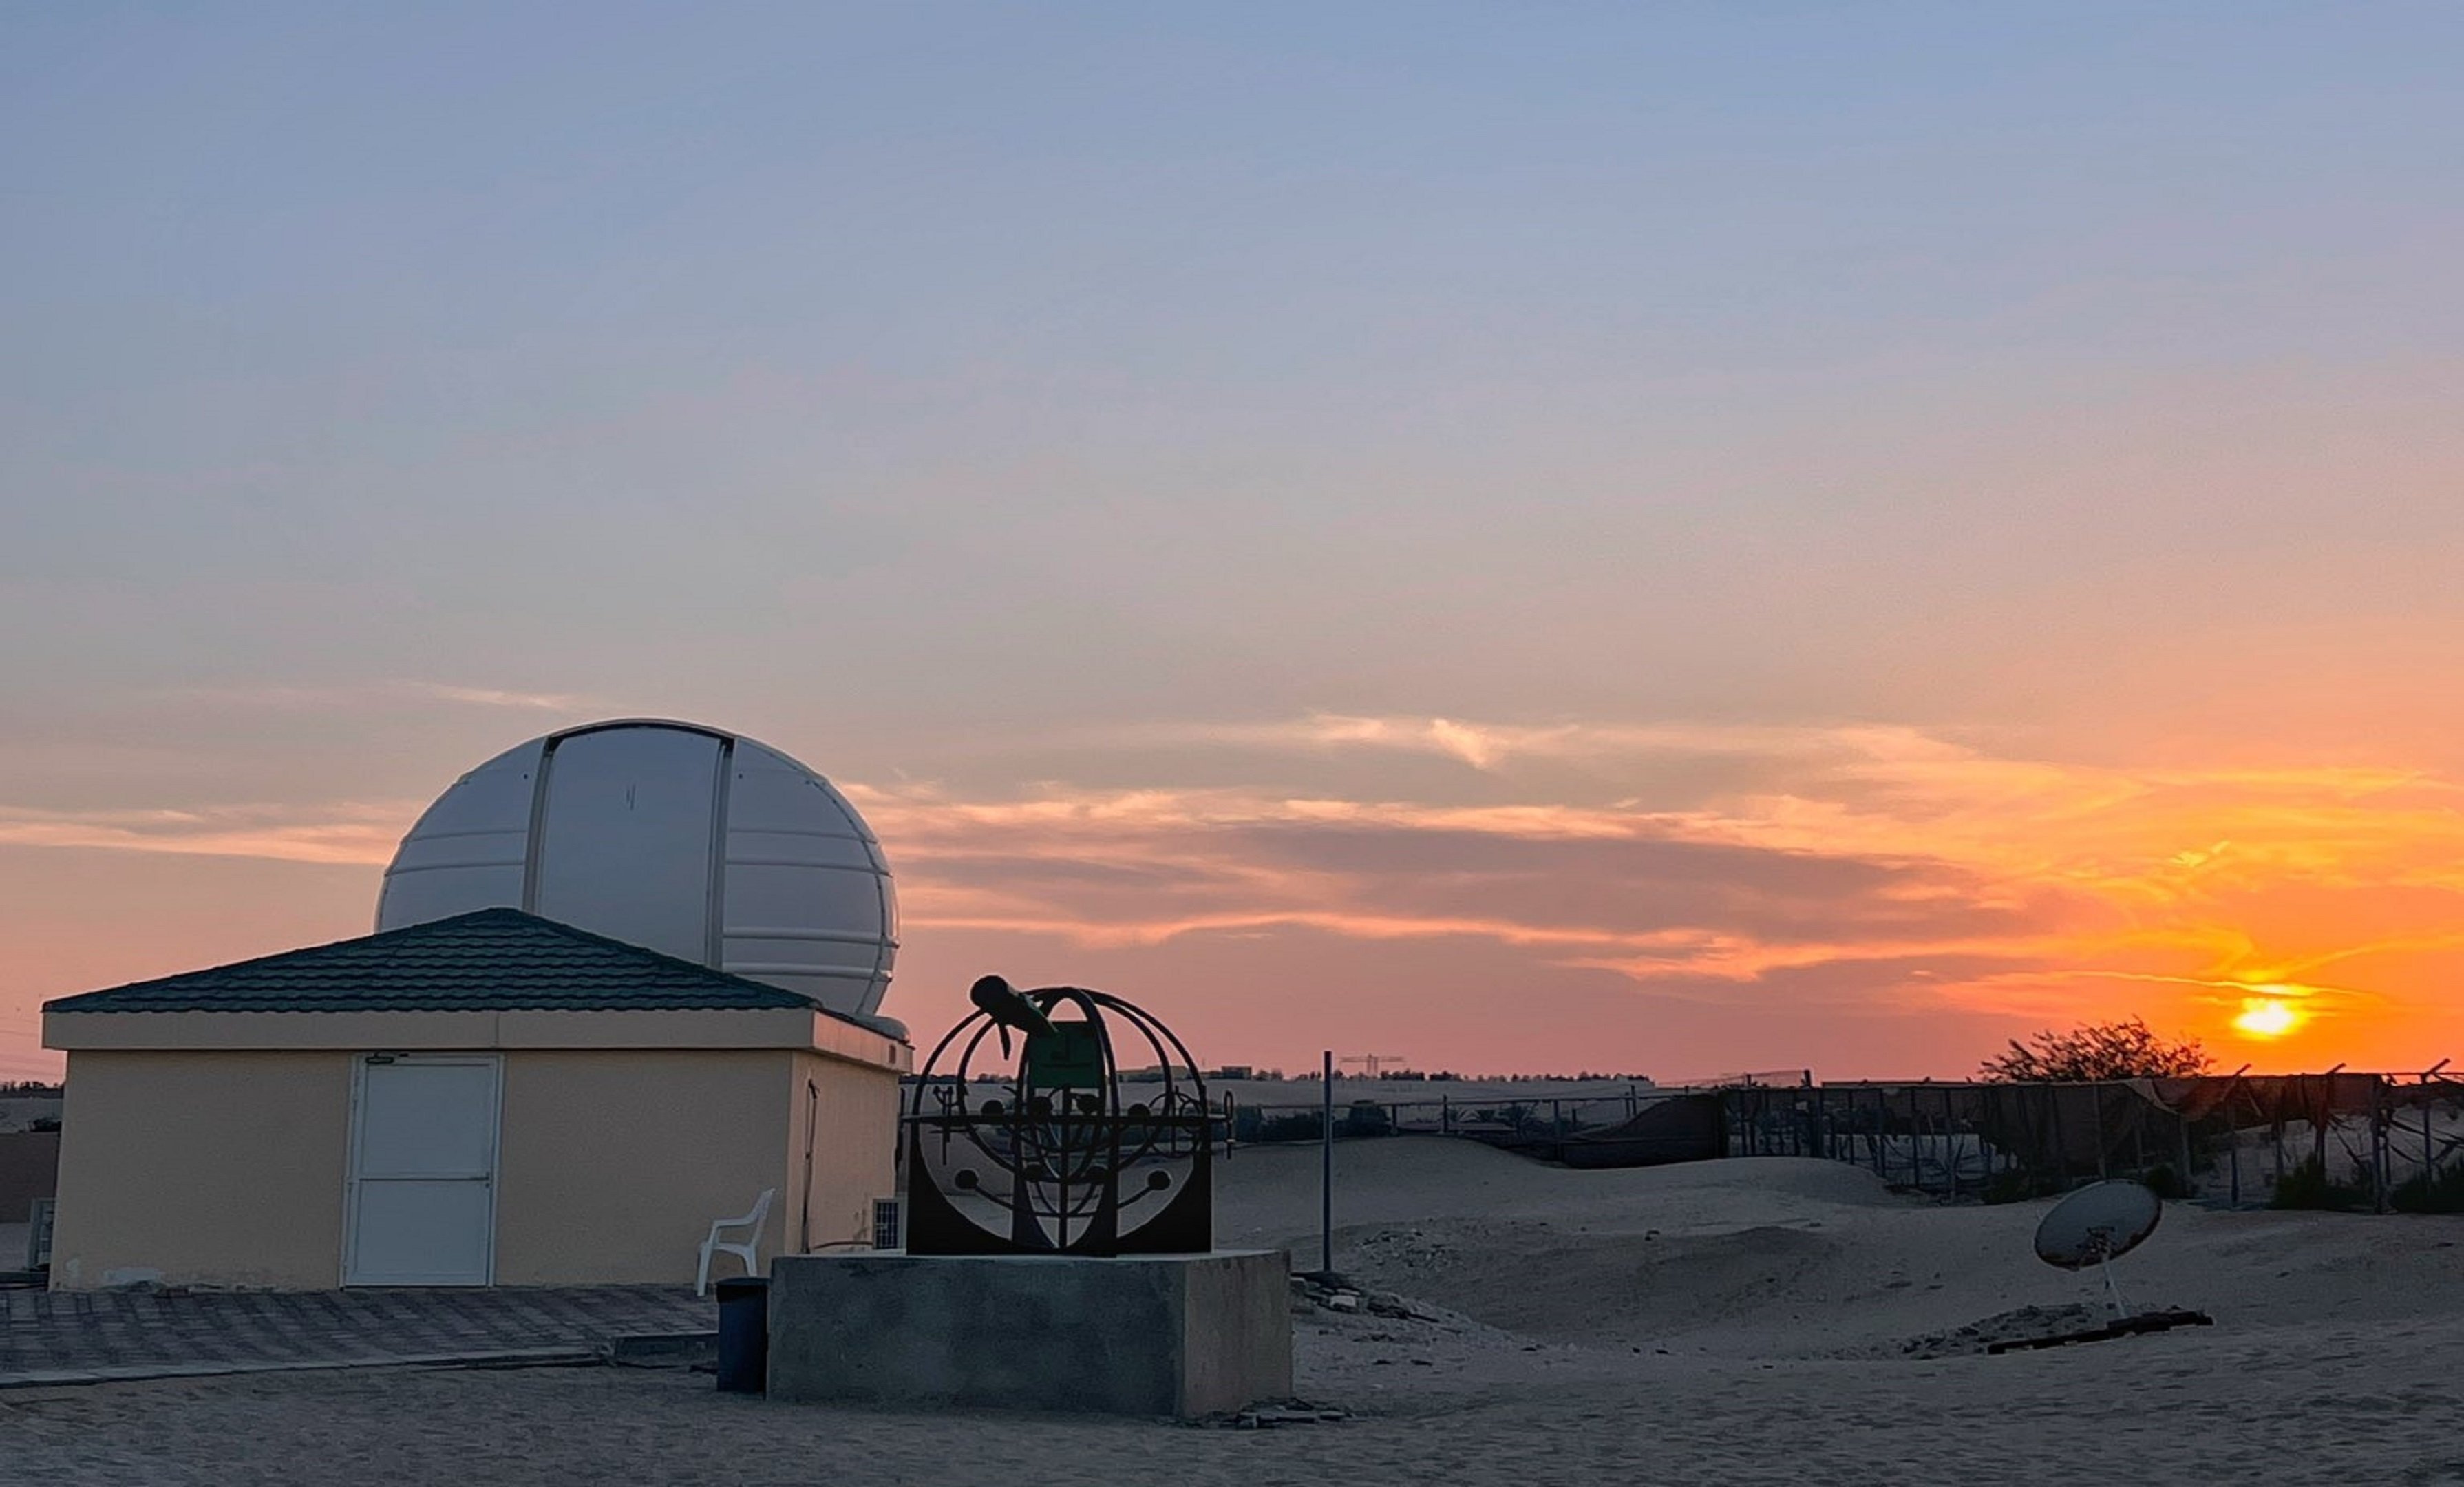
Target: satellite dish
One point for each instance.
(2099, 1223)
(2095, 1226)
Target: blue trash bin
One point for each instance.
(744, 1335)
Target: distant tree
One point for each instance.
(2127, 1050)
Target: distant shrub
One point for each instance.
(2429, 1192)
(1289, 1127)
(2309, 1187)
(2128, 1049)
(1366, 1117)
(2018, 1185)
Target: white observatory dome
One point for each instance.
(688, 840)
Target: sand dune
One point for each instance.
(1785, 1257)
(1759, 1321)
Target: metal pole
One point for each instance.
(1326, 1176)
(2378, 1118)
(1916, 1142)
(1949, 1143)
(2054, 1119)
(2233, 1132)
(2428, 1154)
(2182, 1145)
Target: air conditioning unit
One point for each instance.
(885, 1223)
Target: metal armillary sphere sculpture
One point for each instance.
(1047, 1159)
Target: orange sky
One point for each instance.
(1665, 899)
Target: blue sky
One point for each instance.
(1008, 402)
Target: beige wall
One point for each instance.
(854, 1113)
(613, 1163)
(229, 1168)
(223, 1169)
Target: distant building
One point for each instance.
(28, 1107)
(486, 1098)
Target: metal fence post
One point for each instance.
(2379, 1144)
(2428, 1154)
(1326, 1175)
(1951, 1144)
(2182, 1142)
(2054, 1117)
(1916, 1139)
(1916, 1134)
(2232, 1151)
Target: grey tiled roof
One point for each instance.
(495, 960)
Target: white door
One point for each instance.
(422, 1201)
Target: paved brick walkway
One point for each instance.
(49, 1337)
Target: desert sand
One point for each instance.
(1754, 1321)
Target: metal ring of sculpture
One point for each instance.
(1049, 1159)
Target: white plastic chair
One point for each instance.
(751, 1223)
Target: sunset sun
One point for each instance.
(2266, 1017)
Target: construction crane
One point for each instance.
(1372, 1063)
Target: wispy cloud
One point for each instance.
(1491, 746)
(392, 693)
(493, 696)
(354, 833)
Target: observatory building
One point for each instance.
(625, 983)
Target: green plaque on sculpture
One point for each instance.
(1069, 1058)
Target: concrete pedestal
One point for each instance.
(1145, 1335)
